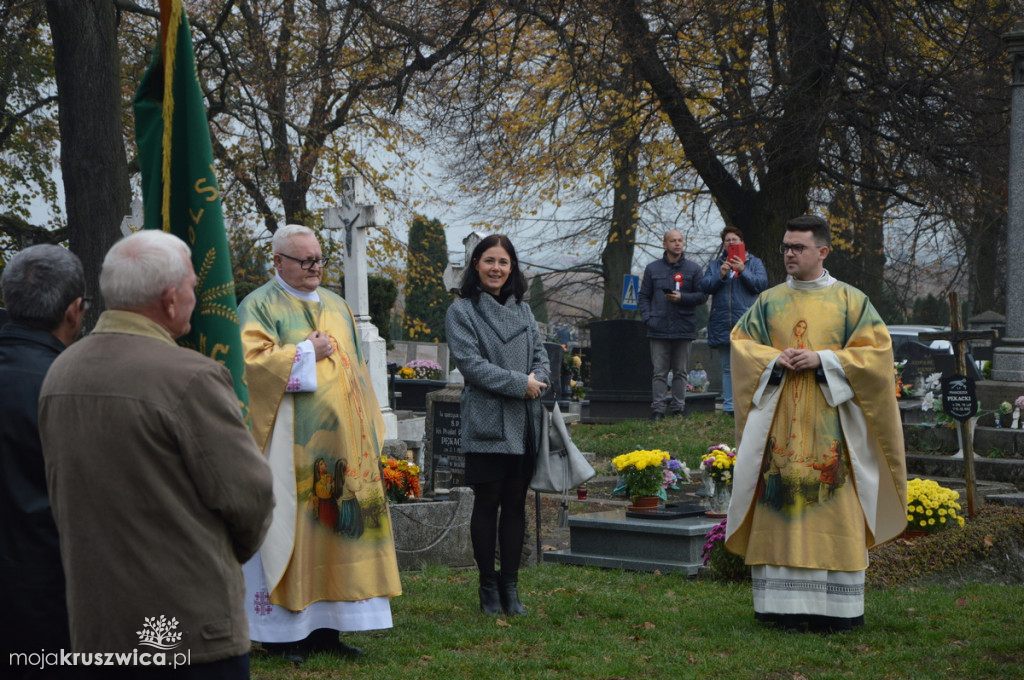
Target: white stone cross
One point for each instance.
(354, 217)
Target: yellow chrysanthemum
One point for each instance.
(928, 501)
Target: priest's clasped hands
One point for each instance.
(793, 359)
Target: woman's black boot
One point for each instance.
(508, 589)
(490, 602)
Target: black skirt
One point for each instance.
(482, 468)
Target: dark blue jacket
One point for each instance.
(31, 577)
(732, 296)
(665, 319)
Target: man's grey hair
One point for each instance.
(285, 233)
(141, 266)
(39, 283)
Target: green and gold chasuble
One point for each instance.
(331, 538)
(816, 483)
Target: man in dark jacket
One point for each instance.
(43, 288)
(733, 284)
(669, 296)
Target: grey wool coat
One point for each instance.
(496, 347)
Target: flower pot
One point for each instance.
(645, 504)
(718, 506)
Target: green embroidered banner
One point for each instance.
(180, 192)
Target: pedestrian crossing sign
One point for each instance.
(630, 289)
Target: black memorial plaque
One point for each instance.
(959, 397)
(922, 361)
(445, 438)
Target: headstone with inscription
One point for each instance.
(959, 397)
(921, 359)
(442, 437)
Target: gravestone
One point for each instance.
(620, 373)
(442, 436)
(983, 350)
(410, 394)
(620, 370)
(405, 351)
(922, 361)
(555, 386)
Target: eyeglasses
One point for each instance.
(86, 301)
(797, 248)
(308, 264)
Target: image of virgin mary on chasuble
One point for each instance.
(804, 507)
(331, 539)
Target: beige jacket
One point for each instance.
(158, 491)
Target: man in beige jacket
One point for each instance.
(158, 490)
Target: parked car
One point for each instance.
(902, 334)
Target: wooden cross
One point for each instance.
(957, 336)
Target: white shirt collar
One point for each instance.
(823, 281)
(301, 294)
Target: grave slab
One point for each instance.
(611, 540)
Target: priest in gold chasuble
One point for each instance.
(820, 472)
(328, 563)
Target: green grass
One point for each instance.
(588, 623)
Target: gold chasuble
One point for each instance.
(331, 535)
(820, 474)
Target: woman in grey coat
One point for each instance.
(496, 345)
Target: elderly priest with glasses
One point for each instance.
(328, 563)
(820, 472)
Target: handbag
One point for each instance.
(560, 465)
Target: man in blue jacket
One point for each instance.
(733, 284)
(669, 296)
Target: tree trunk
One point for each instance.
(617, 257)
(92, 158)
